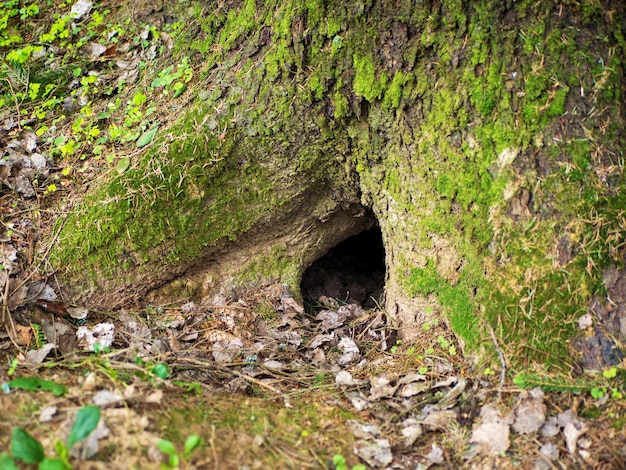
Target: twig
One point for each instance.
(501, 355)
(213, 450)
(6, 314)
(226, 370)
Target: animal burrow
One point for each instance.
(353, 271)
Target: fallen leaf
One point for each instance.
(492, 435)
(47, 413)
(36, 356)
(350, 351)
(435, 455)
(106, 398)
(344, 378)
(380, 387)
(530, 412)
(376, 454)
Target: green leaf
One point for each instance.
(7, 462)
(147, 137)
(191, 443)
(35, 383)
(179, 90)
(610, 373)
(161, 371)
(167, 447)
(122, 165)
(53, 464)
(25, 447)
(86, 421)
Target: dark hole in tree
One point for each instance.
(352, 271)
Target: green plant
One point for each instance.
(29, 450)
(14, 363)
(167, 447)
(394, 348)
(339, 461)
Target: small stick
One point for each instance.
(501, 355)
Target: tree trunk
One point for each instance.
(485, 139)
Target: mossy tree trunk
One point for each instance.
(486, 137)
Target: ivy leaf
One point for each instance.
(25, 447)
(86, 421)
(35, 383)
(147, 137)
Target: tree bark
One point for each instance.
(485, 139)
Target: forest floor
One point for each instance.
(256, 383)
(266, 385)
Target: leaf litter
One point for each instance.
(401, 415)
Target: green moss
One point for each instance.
(459, 305)
(425, 281)
(394, 92)
(316, 87)
(238, 23)
(341, 105)
(333, 26)
(275, 265)
(366, 82)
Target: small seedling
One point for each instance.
(168, 448)
(161, 371)
(29, 450)
(339, 462)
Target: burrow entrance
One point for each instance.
(353, 271)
